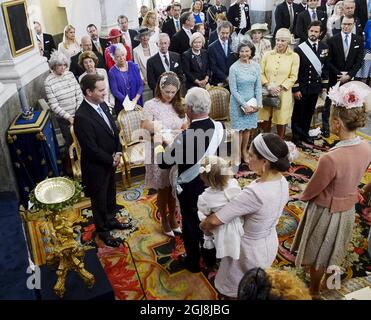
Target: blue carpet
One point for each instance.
(13, 252)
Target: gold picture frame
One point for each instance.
(18, 27)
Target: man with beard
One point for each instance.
(312, 79)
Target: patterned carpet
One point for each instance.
(145, 267)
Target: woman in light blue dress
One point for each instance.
(246, 99)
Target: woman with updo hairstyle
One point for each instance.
(88, 61)
(325, 229)
(164, 115)
(246, 99)
(260, 205)
(272, 284)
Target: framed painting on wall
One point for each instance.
(18, 26)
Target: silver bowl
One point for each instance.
(54, 190)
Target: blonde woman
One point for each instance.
(326, 227)
(279, 68)
(150, 21)
(196, 9)
(69, 46)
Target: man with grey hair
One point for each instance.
(86, 45)
(203, 137)
(163, 61)
(349, 7)
(220, 55)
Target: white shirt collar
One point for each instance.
(312, 43)
(188, 32)
(222, 42)
(95, 106)
(162, 54)
(201, 119)
(343, 34)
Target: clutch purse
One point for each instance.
(271, 101)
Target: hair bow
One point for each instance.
(206, 169)
(293, 152)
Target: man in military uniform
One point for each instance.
(239, 15)
(212, 13)
(312, 79)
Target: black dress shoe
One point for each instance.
(325, 134)
(110, 241)
(114, 224)
(308, 140)
(184, 263)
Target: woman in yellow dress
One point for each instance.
(280, 68)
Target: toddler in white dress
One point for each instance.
(216, 173)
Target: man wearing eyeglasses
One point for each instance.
(346, 52)
(349, 11)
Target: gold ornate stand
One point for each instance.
(68, 254)
(50, 197)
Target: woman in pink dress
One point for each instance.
(164, 115)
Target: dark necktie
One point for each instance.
(315, 47)
(166, 61)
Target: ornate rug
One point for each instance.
(145, 267)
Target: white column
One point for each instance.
(103, 13)
(111, 9)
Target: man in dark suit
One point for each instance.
(213, 11)
(188, 148)
(239, 15)
(143, 11)
(346, 53)
(86, 45)
(348, 11)
(173, 25)
(164, 60)
(180, 40)
(286, 14)
(306, 17)
(46, 40)
(220, 55)
(99, 44)
(312, 80)
(129, 35)
(98, 137)
(303, 6)
(362, 11)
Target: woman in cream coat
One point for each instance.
(279, 72)
(144, 51)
